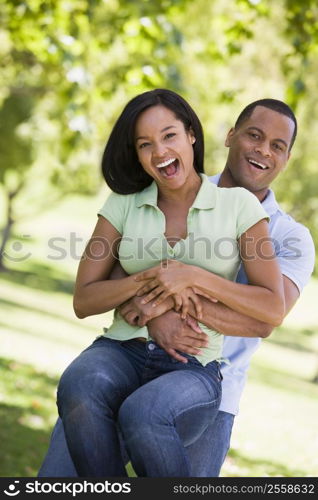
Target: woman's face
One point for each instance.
(164, 147)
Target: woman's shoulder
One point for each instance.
(237, 194)
(120, 199)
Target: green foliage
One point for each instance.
(77, 62)
(15, 146)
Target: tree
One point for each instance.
(79, 60)
(73, 60)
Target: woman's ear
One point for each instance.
(192, 136)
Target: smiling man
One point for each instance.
(259, 148)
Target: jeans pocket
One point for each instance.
(214, 368)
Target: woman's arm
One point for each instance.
(262, 298)
(94, 292)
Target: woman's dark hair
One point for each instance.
(273, 104)
(120, 165)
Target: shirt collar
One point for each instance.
(147, 196)
(205, 198)
(269, 203)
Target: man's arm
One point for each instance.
(221, 318)
(173, 334)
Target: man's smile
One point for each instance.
(257, 164)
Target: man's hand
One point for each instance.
(174, 334)
(136, 313)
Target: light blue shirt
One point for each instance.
(296, 256)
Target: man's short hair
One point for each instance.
(273, 104)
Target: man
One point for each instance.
(259, 148)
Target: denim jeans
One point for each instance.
(160, 405)
(206, 455)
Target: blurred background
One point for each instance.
(67, 69)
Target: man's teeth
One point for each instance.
(166, 163)
(253, 162)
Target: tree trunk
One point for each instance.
(5, 236)
(6, 232)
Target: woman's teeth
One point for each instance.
(168, 168)
(166, 163)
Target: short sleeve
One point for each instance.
(296, 255)
(115, 209)
(249, 211)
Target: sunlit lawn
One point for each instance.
(275, 433)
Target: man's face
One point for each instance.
(259, 149)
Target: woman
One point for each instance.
(164, 221)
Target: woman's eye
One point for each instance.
(143, 145)
(170, 135)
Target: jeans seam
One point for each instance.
(200, 405)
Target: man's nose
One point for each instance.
(264, 149)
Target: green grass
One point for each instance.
(26, 414)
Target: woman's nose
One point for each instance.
(159, 149)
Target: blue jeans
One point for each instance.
(206, 455)
(160, 405)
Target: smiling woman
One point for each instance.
(126, 175)
(166, 151)
(153, 162)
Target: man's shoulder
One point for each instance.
(214, 178)
(284, 222)
(232, 194)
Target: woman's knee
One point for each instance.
(84, 388)
(134, 413)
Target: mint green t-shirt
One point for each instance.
(217, 218)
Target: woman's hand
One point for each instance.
(182, 303)
(171, 277)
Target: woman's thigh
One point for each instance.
(187, 399)
(106, 369)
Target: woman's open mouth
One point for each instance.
(169, 167)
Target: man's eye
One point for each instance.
(278, 146)
(254, 135)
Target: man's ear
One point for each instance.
(286, 162)
(228, 137)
